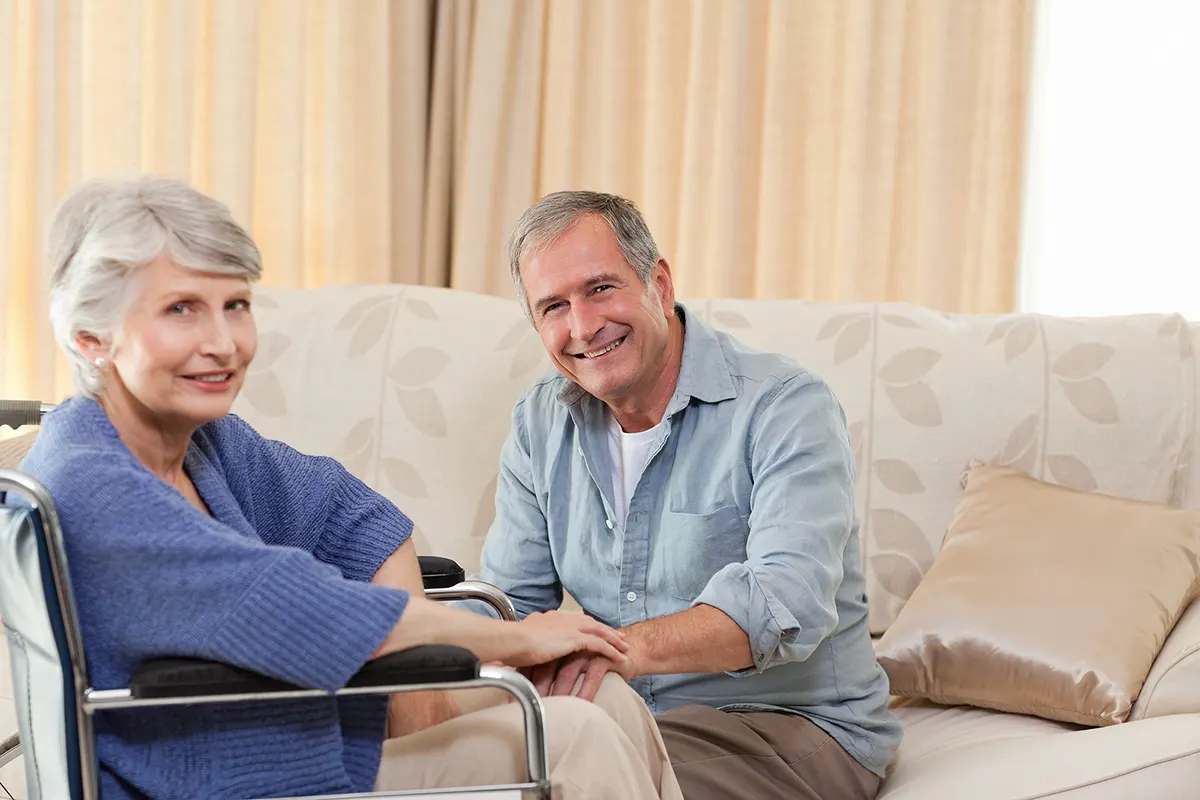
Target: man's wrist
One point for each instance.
(637, 660)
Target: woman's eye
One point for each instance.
(179, 308)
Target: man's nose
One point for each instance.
(585, 324)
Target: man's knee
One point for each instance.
(575, 724)
(619, 700)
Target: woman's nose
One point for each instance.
(219, 339)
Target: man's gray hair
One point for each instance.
(551, 217)
(106, 230)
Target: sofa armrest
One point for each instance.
(1173, 683)
(185, 677)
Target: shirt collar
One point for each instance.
(703, 374)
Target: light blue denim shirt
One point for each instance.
(747, 505)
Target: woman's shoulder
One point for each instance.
(78, 454)
(74, 432)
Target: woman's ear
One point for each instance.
(92, 348)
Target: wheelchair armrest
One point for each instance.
(440, 573)
(186, 677)
(428, 663)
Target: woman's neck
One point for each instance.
(159, 446)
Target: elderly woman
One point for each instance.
(190, 535)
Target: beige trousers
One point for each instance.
(609, 748)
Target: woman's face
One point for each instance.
(184, 346)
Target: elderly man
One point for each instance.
(698, 495)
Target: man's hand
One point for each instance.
(560, 677)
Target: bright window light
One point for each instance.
(1112, 197)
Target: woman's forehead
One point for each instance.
(163, 275)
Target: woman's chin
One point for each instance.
(204, 409)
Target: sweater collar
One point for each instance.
(94, 428)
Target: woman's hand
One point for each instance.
(551, 635)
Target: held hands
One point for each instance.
(549, 636)
(560, 677)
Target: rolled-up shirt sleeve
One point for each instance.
(801, 517)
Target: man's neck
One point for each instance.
(158, 447)
(643, 412)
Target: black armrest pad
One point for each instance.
(429, 663)
(186, 677)
(440, 573)
(192, 677)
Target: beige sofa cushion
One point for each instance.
(962, 752)
(1045, 601)
(1103, 404)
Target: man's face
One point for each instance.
(604, 329)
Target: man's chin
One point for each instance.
(606, 391)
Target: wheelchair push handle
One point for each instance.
(16, 413)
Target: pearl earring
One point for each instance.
(100, 362)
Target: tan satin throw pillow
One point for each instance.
(1044, 601)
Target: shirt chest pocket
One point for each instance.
(691, 548)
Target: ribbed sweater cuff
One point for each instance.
(373, 530)
(301, 626)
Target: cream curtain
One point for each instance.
(309, 118)
(831, 149)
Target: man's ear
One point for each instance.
(665, 285)
(91, 346)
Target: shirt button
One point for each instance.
(608, 522)
(631, 596)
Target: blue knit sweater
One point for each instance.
(276, 581)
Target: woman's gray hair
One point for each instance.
(106, 230)
(551, 217)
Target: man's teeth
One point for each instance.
(608, 349)
(224, 376)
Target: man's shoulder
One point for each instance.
(542, 401)
(765, 373)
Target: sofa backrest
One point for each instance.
(1106, 405)
(412, 388)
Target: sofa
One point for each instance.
(412, 389)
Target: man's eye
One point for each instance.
(238, 305)
(552, 307)
(603, 287)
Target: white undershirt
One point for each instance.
(629, 453)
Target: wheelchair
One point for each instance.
(56, 702)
